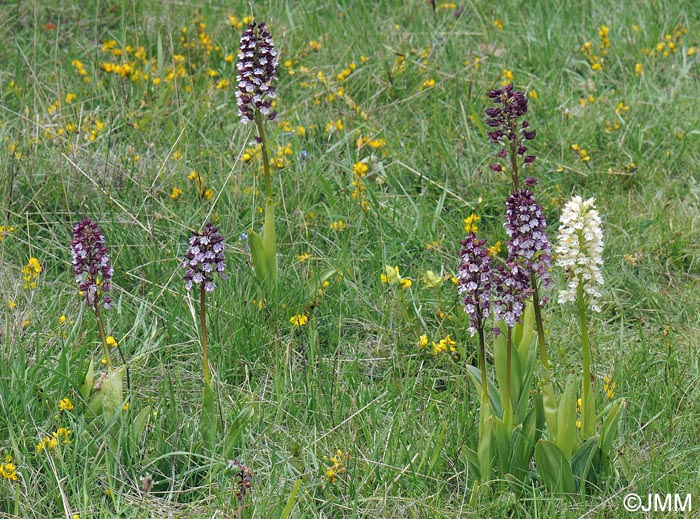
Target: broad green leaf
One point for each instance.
(501, 437)
(527, 374)
(522, 333)
(236, 429)
(566, 418)
(500, 358)
(609, 430)
(554, 469)
(257, 257)
(494, 396)
(550, 409)
(524, 438)
(583, 458)
(208, 419)
(88, 381)
(112, 394)
(139, 424)
(484, 450)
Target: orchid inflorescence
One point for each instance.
(204, 256)
(91, 264)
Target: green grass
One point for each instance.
(354, 378)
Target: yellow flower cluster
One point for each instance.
(60, 436)
(279, 160)
(581, 152)
(507, 76)
(345, 73)
(203, 191)
(339, 226)
(359, 171)
(8, 470)
(5, 230)
(596, 56)
(30, 272)
(299, 320)
(65, 405)
(470, 223)
(366, 140)
(338, 467)
(80, 69)
(428, 83)
(609, 387)
(669, 44)
(446, 345)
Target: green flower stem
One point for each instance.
(267, 177)
(203, 328)
(482, 366)
(101, 327)
(506, 403)
(587, 417)
(514, 166)
(540, 328)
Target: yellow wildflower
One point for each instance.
(30, 272)
(175, 193)
(428, 83)
(423, 341)
(299, 320)
(301, 258)
(470, 223)
(495, 249)
(338, 225)
(8, 470)
(360, 169)
(111, 341)
(445, 345)
(609, 387)
(65, 405)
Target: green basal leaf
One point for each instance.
(554, 469)
(112, 394)
(527, 374)
(138, 426)
(550, 410)
(208, 419)
(566, 418)
(609, 430)
(237, 429)
(484, 450)
(523, 333)
(257, 257)
(494, 396)
(523, 440)
(500, 359)
(88, 381)
(583, 459)
(502, 436)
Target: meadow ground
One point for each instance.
(124, 112)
